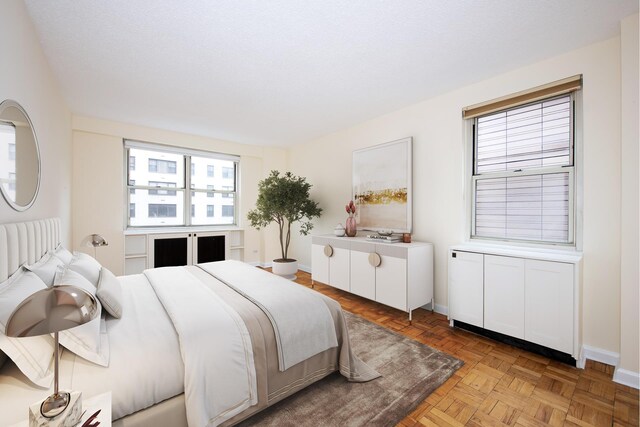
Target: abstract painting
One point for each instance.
(382, 186)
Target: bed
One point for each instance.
(149, 344)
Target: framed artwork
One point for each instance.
(381, 186)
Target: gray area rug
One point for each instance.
(410, 372)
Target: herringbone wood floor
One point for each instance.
(499, 385)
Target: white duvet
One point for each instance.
(220, 376)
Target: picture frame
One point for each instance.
(382, 186)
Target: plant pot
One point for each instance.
(286, 268)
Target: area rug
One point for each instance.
(410, 372)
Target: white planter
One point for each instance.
(287, 269)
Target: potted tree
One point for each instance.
(284, 199)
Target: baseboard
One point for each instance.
(597, 355)
(628, 378)
(441, 309)
(304, 268)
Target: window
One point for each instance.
(162, 192)
(12, 151)
(227, 211)
(210, 171)
(523, 172)
(227, 173)
(162, 211)
(132, 163)
(12, 181)
(132, 210)
(162, 166)
(170, 193)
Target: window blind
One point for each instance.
(532, 136)
(532, 207)
(523, 172)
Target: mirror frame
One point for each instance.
(20, 208)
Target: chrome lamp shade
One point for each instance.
(96, 240)
(49, 311)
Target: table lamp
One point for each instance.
(95, 241)
(49, 311)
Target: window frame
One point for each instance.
(573, 169)
(188, 193)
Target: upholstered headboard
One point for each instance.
(22, 242)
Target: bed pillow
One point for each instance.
(87, 266)
(110, 293)
(63, 255)
(32, 355)
(45, 268)
(89, 341)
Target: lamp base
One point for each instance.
(63, 410)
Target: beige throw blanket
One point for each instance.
(301, 320)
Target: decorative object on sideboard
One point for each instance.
(406, 237)
(20, 174)
(351, 229)
(284, 199)
(49, 311)
(95, 241)
(382, 186)
(339, 231)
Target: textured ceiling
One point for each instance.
(280, 72)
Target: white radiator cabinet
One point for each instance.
(533, 295)
(402, 279)
(504, 295)
(466, 287)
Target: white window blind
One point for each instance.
(523, 172)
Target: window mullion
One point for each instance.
(187, 190)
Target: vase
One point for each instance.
(350, 226)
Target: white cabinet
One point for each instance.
(466, 288)
(363, 273)
(549, 310)
(149, 249)
(504, 295)
(331, 261)
(530, 295)
(395, 274)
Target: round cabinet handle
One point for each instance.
(374, 259)
(328, 251)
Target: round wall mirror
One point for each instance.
(19, 156)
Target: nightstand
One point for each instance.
(89, 407)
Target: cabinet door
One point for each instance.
(168, 250)
(363, 275)
(319, 264)
(391, 282)
(210, 247)
(549, 304)
(504, 295)
(339, 269)
(466, 287)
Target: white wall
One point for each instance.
(99, 196)
(630, 253)
(438, 166)
(26, 78)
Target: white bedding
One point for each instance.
(144, 346)
(285, 304)
(208, 330)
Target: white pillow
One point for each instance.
(45, 268)
(32, 355)
(64, 255)
(110, 293)
(89, 341)
(87, 266)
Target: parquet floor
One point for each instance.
(499, 385)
